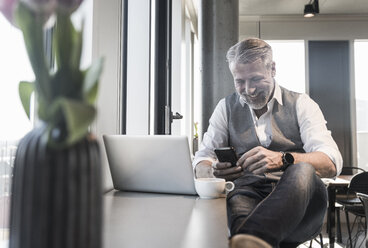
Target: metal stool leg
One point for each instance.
(321, 239)
(348, 226)
(339, 236)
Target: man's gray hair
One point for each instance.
(250, 50)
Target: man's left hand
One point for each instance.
(260, 160)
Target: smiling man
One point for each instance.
(283, 147)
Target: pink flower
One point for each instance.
(7, 7)
(44, 7)
(69, 5)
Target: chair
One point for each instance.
(343, 195)
(364, 199)
(351, 203)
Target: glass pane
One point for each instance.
(14, 122)
(15, 67)
(289, 56)
(361, 98)
(84, 15)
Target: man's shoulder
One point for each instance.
(290, 92)
(289, 96)
(300, 97)
(232, 98)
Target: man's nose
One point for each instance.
(249, 88)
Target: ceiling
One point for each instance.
(296, 7)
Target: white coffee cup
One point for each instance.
(212, 187)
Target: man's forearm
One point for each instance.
(319, 160)
(204, 169)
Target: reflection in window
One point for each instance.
(361, 98)
(289, 56)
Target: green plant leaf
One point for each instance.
(67, 42)
(90, 84)
(67, 83)
(32, 28)
(42, 108)
(77, 115)
(25, 91)
(62, 40)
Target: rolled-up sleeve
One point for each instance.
(216, 135)
(313, 131)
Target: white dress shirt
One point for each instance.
(313, 130)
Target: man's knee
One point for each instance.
(242, 203)
(301, 170)
(301, 176)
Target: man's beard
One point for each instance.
(258, 103)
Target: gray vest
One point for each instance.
(285, 127)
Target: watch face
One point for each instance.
(289, 158)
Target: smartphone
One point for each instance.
(226, 154)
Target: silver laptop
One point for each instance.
(150, 163)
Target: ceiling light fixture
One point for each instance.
(311, 9)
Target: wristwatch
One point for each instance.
(287, 159)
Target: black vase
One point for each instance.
(56, 195)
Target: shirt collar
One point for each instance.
(277, 94)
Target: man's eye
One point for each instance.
(256, 79)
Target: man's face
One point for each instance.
(254, 82)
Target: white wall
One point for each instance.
(107, 43)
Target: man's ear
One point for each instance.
(273, 69)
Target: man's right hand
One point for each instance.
(226, 170)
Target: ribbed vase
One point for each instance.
(56, 195)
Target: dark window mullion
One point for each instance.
(162, 66)
(124, 51)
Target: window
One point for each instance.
(14, 122)
(361, 98)
(289, 56)
(16, 67)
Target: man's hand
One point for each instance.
(226, 171)
(204, 169)
(260, 160)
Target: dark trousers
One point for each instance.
(284, 213)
